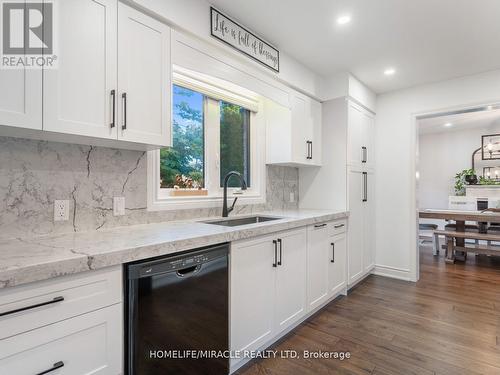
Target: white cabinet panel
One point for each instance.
(356, 229)
(77, 95)
(144, 78)
(337, 279)
(252, 293)
(291, 278)
(369, 217)
(58, 299)
(318, 246)
(360, 137)
(278, 126)
(88, 344)
(21, 98)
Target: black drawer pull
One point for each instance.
(320, 225)
(333, 252)
(113, 98)
(275, 263)
(124, 99)
(55, 366)
(280, 261)
(339, 226)
(55, 300)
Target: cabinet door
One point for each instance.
(291, 278)
(356, 229)
(337, 279)
(78, 94)
(301, 130)
(360, 136)
(369, 217)
(278, 133)
(21, 98)
(87, 344)
(317, 264)
(144, 78)
(252, 293)
(316, 124)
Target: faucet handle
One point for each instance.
(232, 206)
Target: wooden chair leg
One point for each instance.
(435, 244)
(450, 258)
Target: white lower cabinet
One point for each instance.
(71, 325)
(87, 344)
(277, 280)
(268, 287)
(326, 262)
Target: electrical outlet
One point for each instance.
(292, 197)
(119, 206)
(61, 210)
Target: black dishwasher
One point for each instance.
(177, 314)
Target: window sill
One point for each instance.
(194, 202)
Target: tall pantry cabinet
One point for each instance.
(348, 174)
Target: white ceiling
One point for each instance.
(482, 119)
(424, 40)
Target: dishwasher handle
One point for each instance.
(188, 272)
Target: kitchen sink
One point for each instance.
(242, 221)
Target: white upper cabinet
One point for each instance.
(144, 78)
(360, 135)
(21, 98)
(111, 86)
(294, 133)
(77, 96)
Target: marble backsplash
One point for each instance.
(35, 173)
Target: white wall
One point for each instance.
(193, 16)
(396, 140)
(441, 156)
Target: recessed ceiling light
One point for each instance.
(389, 71)
(342, 20)
(448, 125)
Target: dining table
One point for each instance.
(460, 217)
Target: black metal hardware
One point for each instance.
(275, 263)
(311, 144)
(333, 252)
(320, 225)
(113, 98)
(55, 300)
(365, 186)
(365, 154)
(280, 261)
(308, 150)
(338, 226)
(55, 366)
(124, 99)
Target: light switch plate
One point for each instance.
(119, 206)
(61, 210)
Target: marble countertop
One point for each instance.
(25, 260)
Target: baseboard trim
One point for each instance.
(392, 272)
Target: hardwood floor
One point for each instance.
(447, 323)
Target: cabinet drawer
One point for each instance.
(88, 344)
(35, 305)
(338, 227)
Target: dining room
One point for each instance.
(458, 186)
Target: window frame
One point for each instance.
(214, 91)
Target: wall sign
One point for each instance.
(228, 31)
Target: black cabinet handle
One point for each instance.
(365, 186)
(55, 366)
(275, 243)
(55, 300)
(339, 226)
(311, 143)
(320, 225)
(280, 261)
(124, 99)
(365, 154)
(333, 252)
(113, 98)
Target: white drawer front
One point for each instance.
(88, 344)
(338, 227)
(75, 295)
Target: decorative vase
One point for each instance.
(471, 179)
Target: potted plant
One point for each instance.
(465, 177)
